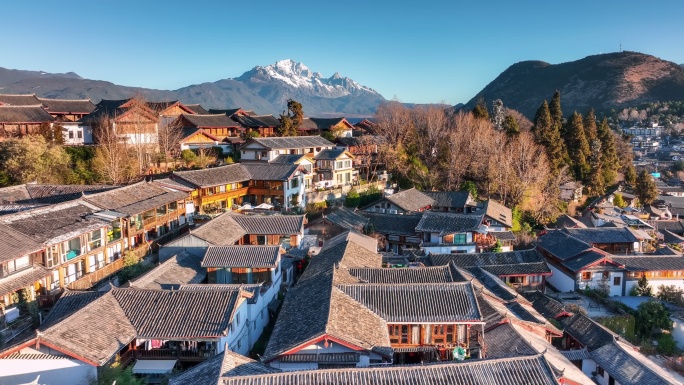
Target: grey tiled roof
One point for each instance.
(499, 212)
(222, 230)
(448, 223)
(561, 245)
(135, 198)
(287, 158)
(68, 105)
(394, 224)
(163, 314)
(270, 171)
(675, 226)
(576, 355)
(588, 332)
(504, 341)
(411, 200)
(23, 279)
(627, 369)
(30, 193)
(347, 218)
(24, 114)
(56, 223)
(333, 153)
(503, 263)
(418, 302)
(314, 308)
(439, 274)
(19, 99)
(241, 256)
(196, 108)
(178, 270)
(348, 249)
(138, 313)
(568, 221)
(603, 235)
(82, 333)
(257, 121)
(577, 263)
(650, 262)
(226, 364)
(545, 305)
(14, 244)
(293, 142)
(210, 120)
(527, 370)
(214, 176)
(670, 237)
(503, 235)
(270, 224)
(455, 199)
(69, 303)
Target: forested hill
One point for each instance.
(601, 82)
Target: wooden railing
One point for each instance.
(165, 354)
(89, 280)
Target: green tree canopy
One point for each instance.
(480, 110)
(510, 126)
(291, 119)
(557, 113)
(619, 201)
(651, 315)
(547, 134)
(610, 162)
(630, 176)
(590, 127)
(645, 188)
(578, 147)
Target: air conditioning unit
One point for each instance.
(392, 211)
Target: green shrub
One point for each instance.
(353, 199)
(666, 344)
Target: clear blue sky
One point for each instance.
(418, 51)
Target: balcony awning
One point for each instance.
(153, 366)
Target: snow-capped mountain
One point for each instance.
(299, 76)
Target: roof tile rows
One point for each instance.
(242, 256)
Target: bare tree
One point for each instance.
(113, 160)
(170, 135)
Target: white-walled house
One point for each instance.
(334, 168)
(267, 149)
(445, 233)
(76, 134)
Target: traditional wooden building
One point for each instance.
(268, 149)
(265, 125)
(132, 120)
(219, 126)
(340, 127)
(18, 121)
(149, 212)
(77, 244)
(67, 110)
(525, 270)
(22, 274)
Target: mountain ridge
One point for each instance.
(264, 89)
(602, 82)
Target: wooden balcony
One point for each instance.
(89, 280)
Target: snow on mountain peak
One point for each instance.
(298, 75)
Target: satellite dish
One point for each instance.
(483, 229)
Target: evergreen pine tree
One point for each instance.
(610, 162)
(596, 183)
(291, 119)
(510, 126)
(546, 134)
(480, 110)
(590, 129)
(645, 188)
(578, 148)
(557, 113)
(630, 176)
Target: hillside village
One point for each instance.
(318, 258)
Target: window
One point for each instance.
(586, 276)
(237, 319)
(173, 206)
(295, 183)
(606, 275)
(616, 281)
(222, 188)
(460, 239)
(79, 134)
(71, 134)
